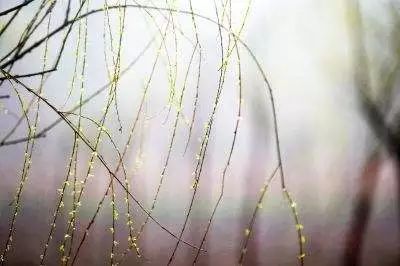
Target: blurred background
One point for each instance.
(333, 69)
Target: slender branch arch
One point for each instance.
(269, 95)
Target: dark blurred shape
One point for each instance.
(376, 112)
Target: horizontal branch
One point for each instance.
(30, 74)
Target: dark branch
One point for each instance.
(30, 74)
(17, 7)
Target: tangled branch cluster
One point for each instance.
(46, 35)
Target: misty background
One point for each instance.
(309, 51)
